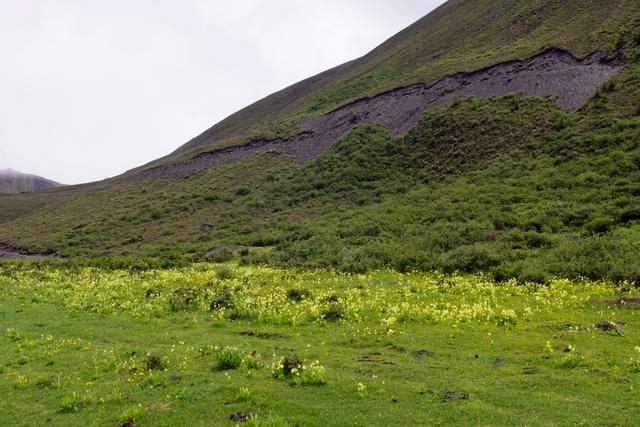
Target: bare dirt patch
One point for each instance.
(608, 326)
(423, 353)
(10, 252)
(240, 416)
(554, 72)
(628, 303)
(262, 335)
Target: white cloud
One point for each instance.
(91, 88)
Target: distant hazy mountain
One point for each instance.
(17, 182)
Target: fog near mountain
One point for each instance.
(18, 182)
(91, 89)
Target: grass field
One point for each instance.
(193, 346)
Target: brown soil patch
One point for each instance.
(240, 416)
(452, 395)
(423, 353)
(262, 335)
(629, 303)
(608, 326)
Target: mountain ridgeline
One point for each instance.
(492, 136)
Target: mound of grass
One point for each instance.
(228, 359)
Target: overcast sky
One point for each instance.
(92, 88)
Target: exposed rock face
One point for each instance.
(552, 73)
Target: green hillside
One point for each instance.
(511, 185)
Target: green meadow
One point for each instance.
(222, 344)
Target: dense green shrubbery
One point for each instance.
(506, 217)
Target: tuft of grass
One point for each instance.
(228, 359)
(243, 394)
(132, 414)
(73, 403)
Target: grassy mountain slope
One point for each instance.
(510, 185)
(13, 206)
(458, 36)
(513, 186)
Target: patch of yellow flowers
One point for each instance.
(382, 296)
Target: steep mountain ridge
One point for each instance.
(554, 72)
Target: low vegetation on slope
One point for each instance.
(219, 345)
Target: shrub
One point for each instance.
(291, 364)
(220, 256)
(469, 259)
(298, 294)
(72, 403)
(533, 274)
(184, 299)
(153, 362)
(240, 314)
(628, 214)
(223, 299)
(312, 374)
(599, 225)
(595, 257)
(224, 272)
(228, 359)
(243, 394)
(506, 319)
(572, 360)
(155, 214)
(242, 191)
(294, 368)
(591, 178)
(253, 362)
(14, 335)
(131, 415)
(538, 240)
(333, 313)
